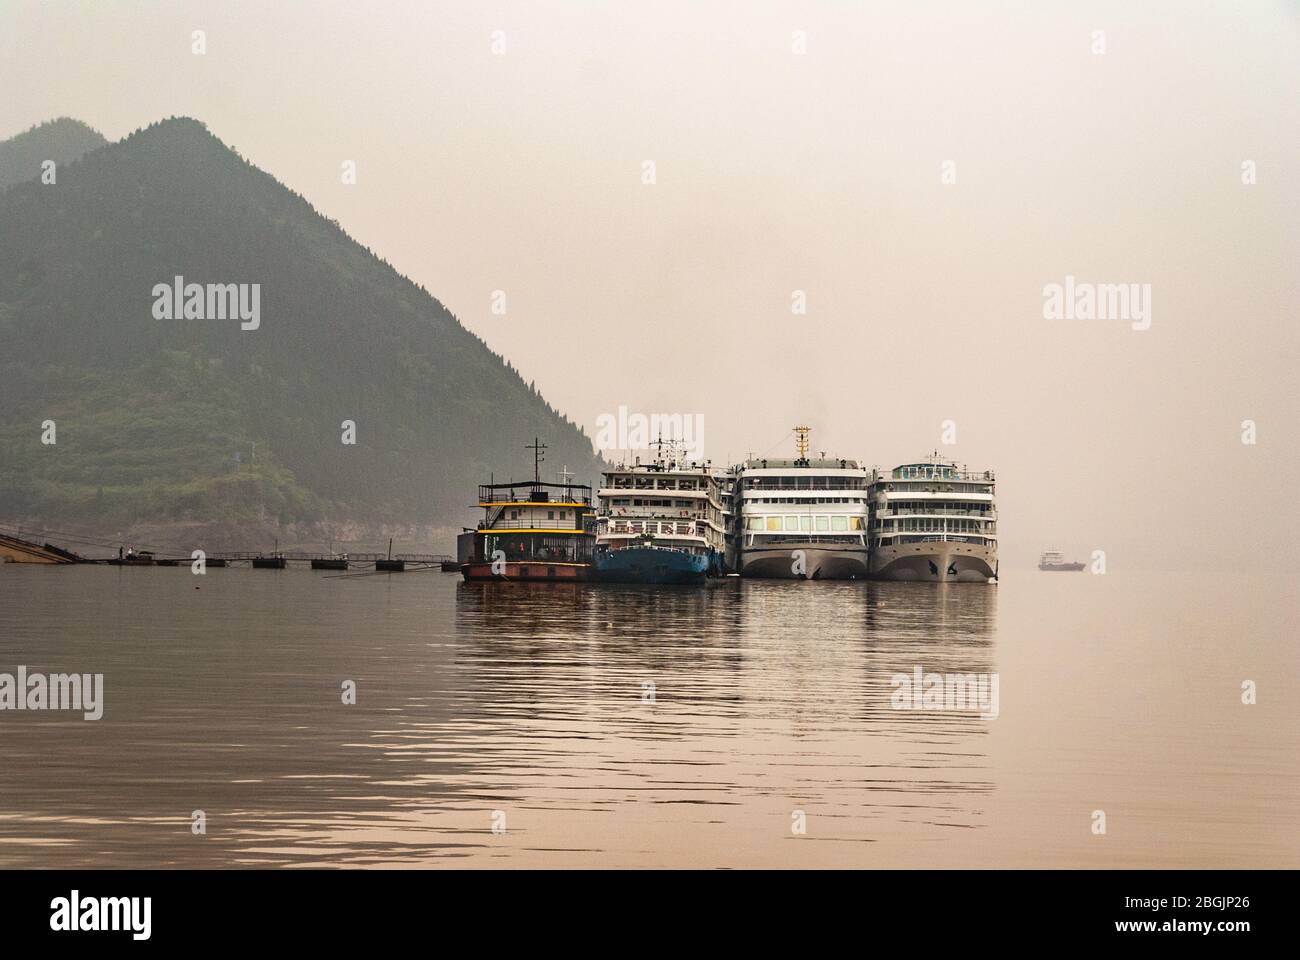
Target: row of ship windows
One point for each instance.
(771, 539)
(806, 500)
(806, 522)
(936, 487)
(930, 506)
(647, 484)
(805, 483)
(925, 472)
(659, 527)
(535, 547)
(931, 538)
(936, 525)
(615, 545)
(550, 515)
(650, 503)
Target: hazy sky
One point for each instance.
(818, 171)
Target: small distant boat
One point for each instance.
(335, 562)
(390, 564)
(131, 558)
(268, 563)
(1054, 560)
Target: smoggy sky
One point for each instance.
(819, 171)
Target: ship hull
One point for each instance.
(652, 565)
(526, 571)
(936, 562)
(818, 562)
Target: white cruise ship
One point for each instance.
(800, 519)
(933, 521)
(660, 522)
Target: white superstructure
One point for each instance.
(667, 503)
(933, 520)
(804, 518)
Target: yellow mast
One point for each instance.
(801, 438)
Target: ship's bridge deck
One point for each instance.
(533, 493)
(831, 465)
(932, 472)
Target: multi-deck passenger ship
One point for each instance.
(672, 521)
(660, 522)
(933, 521)
(532, 531)
(804, 518)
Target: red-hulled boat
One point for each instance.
(532, 531)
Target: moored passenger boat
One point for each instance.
(933, 521)
(532, 530)
(804, 518)
(660, 522)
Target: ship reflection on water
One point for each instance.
(739, 723)
(594, 724)
(738, 703)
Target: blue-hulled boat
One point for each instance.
(662, 522)
(655, 564)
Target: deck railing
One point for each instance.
(546, 493)
(565, 525)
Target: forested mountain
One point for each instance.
(62, 140)
(160, 419)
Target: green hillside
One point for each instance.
(62, 140)
(198, 420)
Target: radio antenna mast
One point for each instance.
(537, 447)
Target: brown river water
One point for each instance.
(740, 724)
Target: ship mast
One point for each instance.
(659, 450)
(801, 438)
(537, 447)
